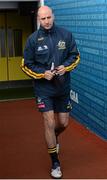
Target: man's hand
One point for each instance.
(49, 74)
(60, 70)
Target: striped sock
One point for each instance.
(53, 155)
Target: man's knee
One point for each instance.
(64, 125)
(49, 120)
(64, 119)
(64, 122)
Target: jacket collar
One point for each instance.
(47, 31)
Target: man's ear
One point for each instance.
(38, 22)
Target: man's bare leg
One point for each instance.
(62, 123)
(49, 125)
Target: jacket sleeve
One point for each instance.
(73, 57)
(28, 64)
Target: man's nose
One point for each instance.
(46, 20)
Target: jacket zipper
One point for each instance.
(52, 48)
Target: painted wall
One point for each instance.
(87, 19)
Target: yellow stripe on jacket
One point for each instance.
(73, 65)
(30, 73)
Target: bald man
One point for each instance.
(50, 55)
(45, 11)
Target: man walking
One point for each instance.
(49, 56)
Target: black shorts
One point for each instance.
(60, 103)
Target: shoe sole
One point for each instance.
(56, 177)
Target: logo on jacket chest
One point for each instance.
(41, 48)
(61, 45)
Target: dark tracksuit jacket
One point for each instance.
(45, 47)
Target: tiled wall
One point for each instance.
(87, 19)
